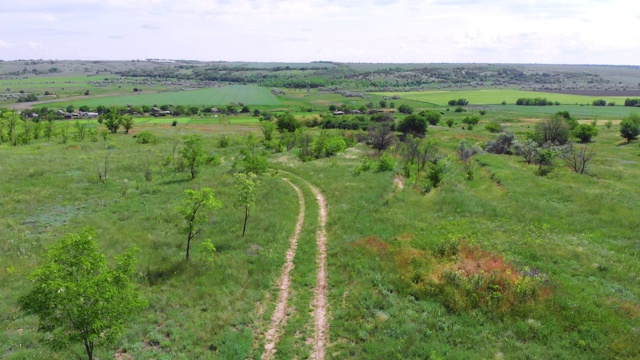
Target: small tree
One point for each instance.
(381, 136)
(630, 127)
(245, 185)
(111, 119)
(553, 130)
(267, 128)
(287, 123)
(585, 132)
(193, 153)
(77, 298)
(577, 159)
(194, 211)
(127, 123)
(414, 125)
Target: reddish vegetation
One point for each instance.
(373, 244)
(474, 261)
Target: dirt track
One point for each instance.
(279, 318)
(319, 302)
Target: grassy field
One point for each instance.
(247, 94)
(577, 234)
(490, 96)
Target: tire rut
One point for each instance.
(279, 318)
(319, 304)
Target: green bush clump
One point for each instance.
(386, 162)
(146, 137)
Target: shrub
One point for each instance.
(502, 144)
(146, 137)
(328, 146)
(405, 109)
(174, 123)
(365, 165)
(413, 125)
(459, 109)
(287, 123)
(471, 120)
(630, 127)
(433, 117)
(585, 132)
(482, 112)
(494, 126)
(386, 162)
(552, 130)
(450, 122)
(599, 102)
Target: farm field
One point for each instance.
(387, 239)
(494, 97)
(248, 94)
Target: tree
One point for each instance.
(267, 128)
(585, 132)
(70, 108)
(245, 109)
(433, 117)
(551, 130)
(471, 120)
(127, 123)
(193, 153)
(577, 159)
(194, 211)
(245, 185)
(383, 104)
(381, 136)
(77, 298)
(287, 122)
(405, 109)
(414, 125)
(630, 127)
(111, 119)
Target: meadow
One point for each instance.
(386, 240)
(495, 97)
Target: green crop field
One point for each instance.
(246, 94)
(490, 96)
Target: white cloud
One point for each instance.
(542, 31)
(5, 45)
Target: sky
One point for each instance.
(369, 31)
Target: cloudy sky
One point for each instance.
(401, 31)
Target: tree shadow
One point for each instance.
(161, 274)
(173, 182)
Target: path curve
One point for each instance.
(320, 292)
(278, 320)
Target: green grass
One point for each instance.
(247, 94)
(489, 96)
(580, 231)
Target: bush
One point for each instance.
(502, 144)
(459, 109)
(599, 102)
(386, 162)
(413, 125)
(405, 109)
(471, 120)
(494, 127)
(146, 137)
(174, 123)
(585, 132)
(553, 130)
(287, 123)
(450, 122)
(630, 127)
(433, 117)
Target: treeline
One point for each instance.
(632, 102)
(536, 102)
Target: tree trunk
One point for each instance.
(246, 216)
(89, 347)
(189, 245)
